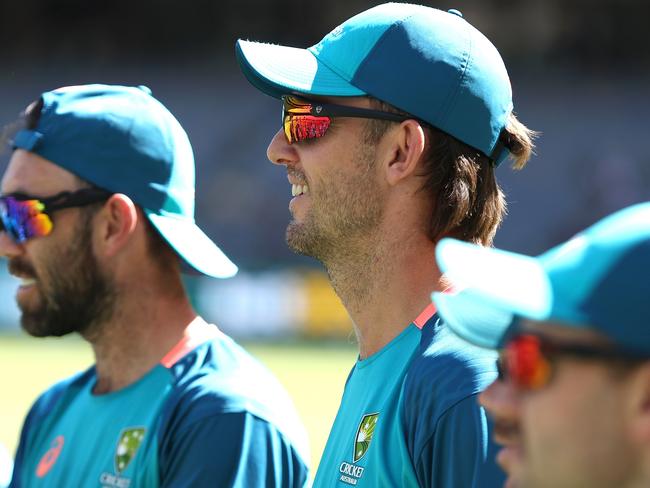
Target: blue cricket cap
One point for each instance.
(427, 62)
(597, 280)
(123, 140)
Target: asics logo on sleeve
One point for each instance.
(50, 457)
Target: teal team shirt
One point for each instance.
(208, 415)
(409, 416)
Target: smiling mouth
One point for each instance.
(25, 282)
(297, 190)
(506, 432)
(24, 279)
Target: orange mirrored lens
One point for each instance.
(298, 122)
(41, 225)
(527, 366)
(300, 127)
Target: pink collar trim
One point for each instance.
(430, 309)
(425, 315)
(196, 333)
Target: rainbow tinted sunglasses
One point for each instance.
(23, 217)
(304, 119)
(527, 360)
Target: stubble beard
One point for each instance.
(342, 230)
(75, 296)
(341, 217)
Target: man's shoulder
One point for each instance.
(222, 395)
(222, 373)
(440, 411)
(219, 378)
(52, 403)
(446, 370)
(61, 391)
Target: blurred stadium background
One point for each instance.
(579, 70)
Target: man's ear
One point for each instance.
(117, 224)
(407, 147)
(640, 404)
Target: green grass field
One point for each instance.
(312, 372)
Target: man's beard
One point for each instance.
(341, 213)
(75, 294)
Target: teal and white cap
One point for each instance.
(429, 63)
(596, 280)
(123, 140)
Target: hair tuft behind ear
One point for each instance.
(520, 141)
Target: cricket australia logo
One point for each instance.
(127, 446)
(350, 473)
(364, 435)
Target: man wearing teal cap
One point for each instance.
(571, 405)
(97, 214)
(392, 128)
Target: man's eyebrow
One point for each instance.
(9, 194)
(20, 194)
(15, 190)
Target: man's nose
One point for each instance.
(501, 399)
(280, 151)
(8, 247)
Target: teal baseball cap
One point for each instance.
(596, 280)
(123, 140)
(429, 63)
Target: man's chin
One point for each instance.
(510, 459)
(513, 482)
(298, 239)
(312, 240)
(37, 325)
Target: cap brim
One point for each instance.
(471, 319)
(495, 287)
(191, 244)
(279, 70)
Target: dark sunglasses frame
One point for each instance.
(65, 199)
(318, 109)
(550, 350)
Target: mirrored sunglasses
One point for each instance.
(528, 360)
(303, 119)
(23, 217)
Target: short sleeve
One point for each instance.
(230, 450)
(42, 408)
(19, 460)
(459, 454)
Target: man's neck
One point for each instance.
(136, 338)
(385, 286)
